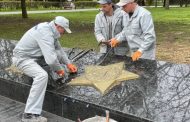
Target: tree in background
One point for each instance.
(141, 2)
(23, 7)
(186, 2)
(149, 2)
(156, 3)
(167, 4)
(181, 2)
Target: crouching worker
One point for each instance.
(41, 41)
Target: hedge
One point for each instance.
(17, 5)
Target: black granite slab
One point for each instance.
(161, 94)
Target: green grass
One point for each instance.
(13, 27)
(170, 25)
(173, 15)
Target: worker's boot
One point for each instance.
(33, 118)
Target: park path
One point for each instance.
(47, 11)
(59, 11)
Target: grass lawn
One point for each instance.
(172, 29)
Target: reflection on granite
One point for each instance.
(6, 48)
(162, 93)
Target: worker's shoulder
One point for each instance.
(143, 11)
(117, 8)
(118, 12)
(44, 26)
(100, 14)
(45, 29)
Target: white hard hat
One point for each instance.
(104, 1)
(63, 22)
(124, 2)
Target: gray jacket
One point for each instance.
(41, 40)
(139, 33)
(102, 31)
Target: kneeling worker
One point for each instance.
(41, 41)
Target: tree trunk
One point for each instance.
(164, 3)
(23, 7)
(167, 4)
(143, 3)
(181, 3)
(156, 3)
(186, 2)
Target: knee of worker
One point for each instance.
(42, 77)
(103, 49)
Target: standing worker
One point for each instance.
(41, 41)
(139, 31)
(108, 25)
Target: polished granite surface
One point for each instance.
(161, 94)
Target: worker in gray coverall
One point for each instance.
(108, 25)
(139, 31)
(41, 40)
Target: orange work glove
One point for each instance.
(60, 73)
(72, 68)
(136, 55)
(114, 42)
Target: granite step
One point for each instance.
(11, 111)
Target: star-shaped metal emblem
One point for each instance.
(103, 78)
